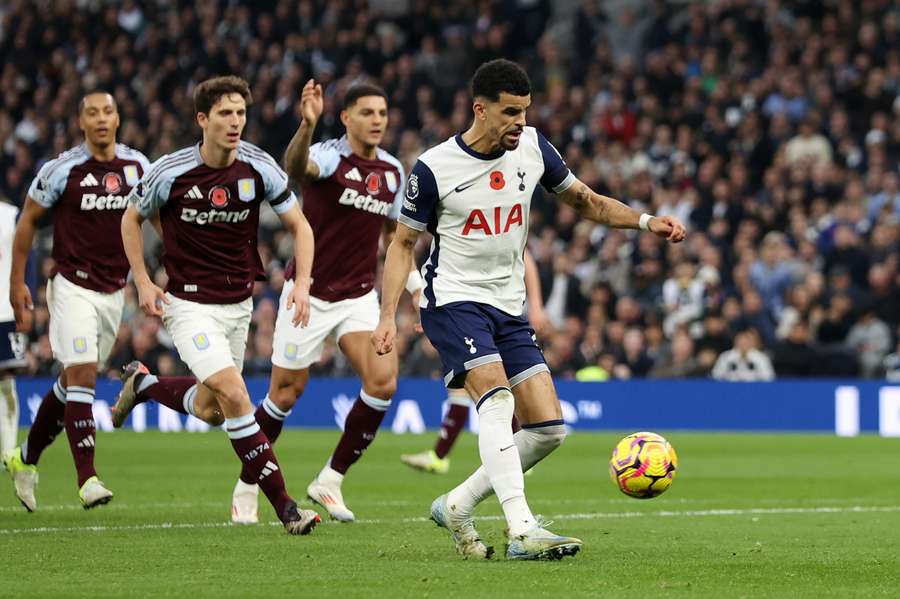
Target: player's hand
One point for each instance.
(667, 227)
(299, 298)
(23, 307)
(539, 320)
(384, 335)
(151, 298)
(311, 103)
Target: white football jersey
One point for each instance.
(8, 215)
(477, 208)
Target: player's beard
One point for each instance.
(508, 144)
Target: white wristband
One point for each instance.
(414, 282)
(645, 221)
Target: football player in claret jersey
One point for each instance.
(352, 191)
(473, 193)
(208, 199)
(86, 188)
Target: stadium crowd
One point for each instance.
(772, 129)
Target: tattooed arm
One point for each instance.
(615, 214)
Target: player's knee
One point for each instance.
(211, 415)
(382, 388)
(233, 398)
(549, 437)
(81, 375)
(285, 394)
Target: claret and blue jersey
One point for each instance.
(477, 206)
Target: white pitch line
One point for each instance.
(857, 509)
(683, 501)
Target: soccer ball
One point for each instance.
(643, 465)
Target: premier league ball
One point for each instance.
(643, 465)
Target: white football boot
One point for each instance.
(93, 493)
(245, 503)
(462, 528)
(325, 490)
(25, 478)
(540, 543)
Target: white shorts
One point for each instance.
(83, 323)
(295, 348)
(209, 337)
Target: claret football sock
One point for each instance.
(258, 459)
(48, 423)
(175, 392)
(271, 420)
(359, 430)
(453, 424)
(80, 430)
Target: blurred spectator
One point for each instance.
(744, 362)
(870, 339)
(808, 147)
(683, 297)
(679, 362)
(771, 276)
(755, 123)
(891, 363)
(795, 356)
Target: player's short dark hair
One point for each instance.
(208, 92)
(498, 76)
(83, 101)
(361, 90)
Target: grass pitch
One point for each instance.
(747, 516)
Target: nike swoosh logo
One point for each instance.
(505, 448)
(460, 188)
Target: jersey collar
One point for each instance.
(465, 148)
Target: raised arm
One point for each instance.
(295, 223)
(19, 294)
(296, 157)
(613, 213)
(396, 272)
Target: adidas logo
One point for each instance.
(87, 442)
(353, 175)
(89, 181)
(268, 469)
(194, 193)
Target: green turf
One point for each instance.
(747, 516)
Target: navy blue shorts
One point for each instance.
(12, 346)
(469, 334)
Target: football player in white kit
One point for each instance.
(12, 343)
(473, 194)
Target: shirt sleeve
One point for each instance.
(557, 176)
(420, 199)
(50, 183)
(397, 206)
(152, 191)
(327, 158)
(143, 161)
(275, 183)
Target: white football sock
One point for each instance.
(9, 414)
(500, 457)
(535, 442)
(148, 381)
(329, 476)
(458, 397)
